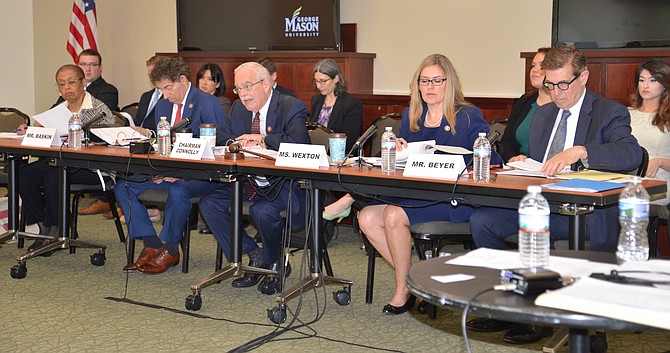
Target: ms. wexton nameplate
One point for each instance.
(442, 166)
(192, 148)
(41, 137)
(302, 156)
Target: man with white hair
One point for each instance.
(265, 117)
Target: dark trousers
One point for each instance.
(265, 212)
(38, 188)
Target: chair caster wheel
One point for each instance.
(277, 314)
(193, 302)
(18, 271)
(98, 259)
(599, 342)
(342, 296)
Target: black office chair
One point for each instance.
(131, 109)
(392, 120)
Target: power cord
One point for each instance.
(464, 329)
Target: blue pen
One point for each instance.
(133, 139)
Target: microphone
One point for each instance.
(366, 135)
(99, 115)
(180, 124)
(493, 136)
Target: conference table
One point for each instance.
(503, 191)
(508, 306)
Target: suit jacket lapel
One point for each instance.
(584, 119)
(544, 123)
(271, 119)
(189, 104)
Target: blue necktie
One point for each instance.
(558, 143)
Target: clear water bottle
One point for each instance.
(388, 150)
(164, 139)
(75, 134)
(482, 159)
(633, 217)
(534, 229)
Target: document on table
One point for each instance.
(118, 136)
(528, 164)
(632, 303)
(584, 185)
(422, 147)
(597, 175)
(10, 135)
(56, 117)
(502, 259)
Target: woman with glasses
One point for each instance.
(333, 107)
(515, 139)
(437, 111)
(39, 181)
(210, 80)
(650, 121)
(339, 111)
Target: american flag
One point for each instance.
(83, 28)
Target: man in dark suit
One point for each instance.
(145, 115)
(269, 65)
(579, 129)
(182, 99)
(262, 116)
(91, 62)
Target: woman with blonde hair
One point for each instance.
(437, 111)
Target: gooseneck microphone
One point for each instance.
(97, 117)
(366, 135)
(180, 124)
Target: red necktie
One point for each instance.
(249, 191)
(256, 124)
(177, 117)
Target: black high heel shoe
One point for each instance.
(396, 310)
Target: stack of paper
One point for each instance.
(583, 185)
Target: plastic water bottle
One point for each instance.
(482, 159)
(534, 229)
(633, 217)
(388, 150)
(75, 135)
(164, 139)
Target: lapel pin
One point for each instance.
(447, 128)
(190, 106)
(269, 128)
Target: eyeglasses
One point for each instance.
(89, 64)
(246, 87)
(563, 85)
(68, 83)
(436, 81)
(322, 82)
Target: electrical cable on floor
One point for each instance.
(464, 328)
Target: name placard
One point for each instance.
(41, 137)
(191, 148)
(441, 166)
(302, 156)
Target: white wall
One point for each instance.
(17, 86)
(483, 38)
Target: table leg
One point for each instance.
(579, 341)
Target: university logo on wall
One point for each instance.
(301, 26)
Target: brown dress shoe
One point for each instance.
(146, 255)
(96, 207)
(160, 263)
